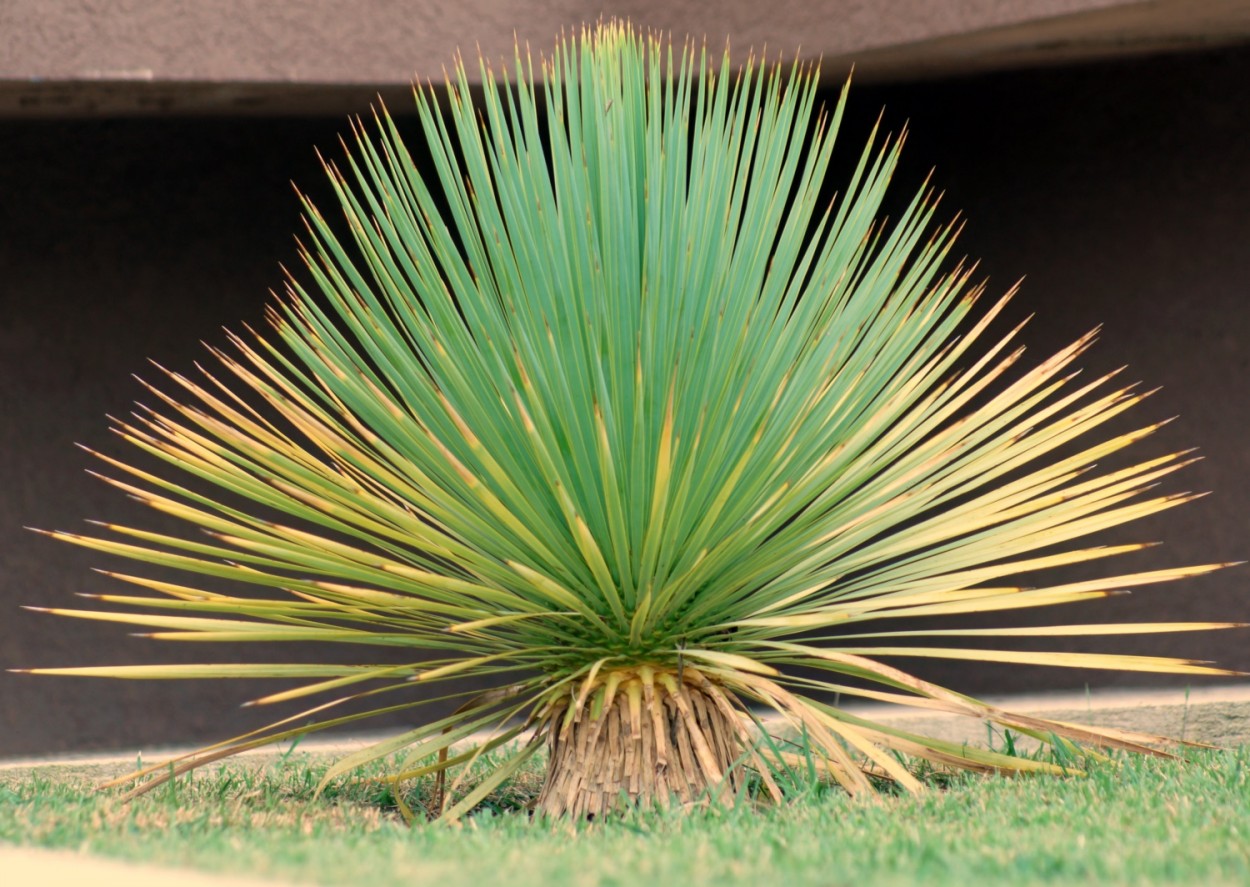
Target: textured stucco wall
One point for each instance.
(380, 41)
(1119, 189)
(115, 58)
(118, 57)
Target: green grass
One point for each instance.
(1137, 821)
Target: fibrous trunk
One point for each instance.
(643, 738)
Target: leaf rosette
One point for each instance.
(604, 407)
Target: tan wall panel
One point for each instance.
(385, 41)
(121, 58)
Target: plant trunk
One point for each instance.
(643, 740)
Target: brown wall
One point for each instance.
(1119, 189)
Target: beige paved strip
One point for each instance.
(328, 746)
(1217, 714)
(23, 867)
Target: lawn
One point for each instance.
(1133, 821)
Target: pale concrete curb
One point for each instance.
(330, 747)
(1218, 715)
(23, 867)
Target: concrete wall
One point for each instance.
(1119, 189)
(380, 41)
(60, 57)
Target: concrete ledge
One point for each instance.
(23, 866)
(1218, 716)
(61, 58)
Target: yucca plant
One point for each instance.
(614, 414)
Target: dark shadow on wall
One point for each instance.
(1119, 189)
(1117, 192)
